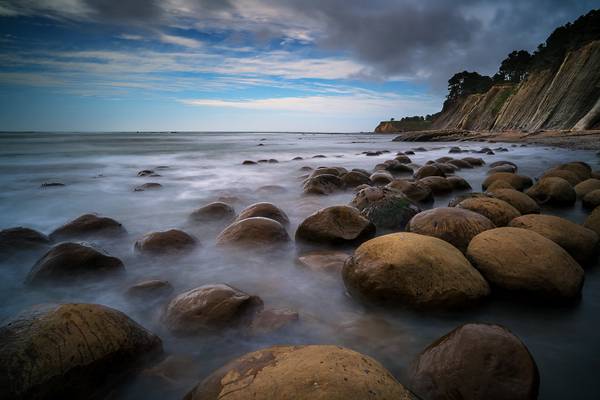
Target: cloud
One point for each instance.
(180, 41)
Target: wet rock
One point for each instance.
(453, 225)
(409, 153)
(419, 149)
(460, 164)
(458, 183)
(171, 375)
(454, 150)
(593, 221)
(504, 162)
(372, 153)
(353, 179)
(336, 225)
(265, 210)
(325, 171)
(319, 156)
(249, 162)
(323, 184)
(145, 172)
(71, 351)
(519, 200)
(402, 158)
(458, 199)
(476, 361)
(580, 242)
(88, 225)
(522, 260)
(148, 186)
(272, 320)
(51, 184)
(518, 182)
(297, 158)
(579, 168)
(210, 309)
(413, 270)
(69, 263)
(381, 178)
(476, 162)
(384, 207)
(569, 176)
(301, 373)
(583, 188)
(17, 239)
(553, 192)
(149, 290)
(429, 170)
(417, 192)
(446, 168)
(438, 185)
(253, 232)
(217, 211)
(172, 241)
(502, 168)
(498, 211)
(592, 199)
(323, 260)
(500, 185)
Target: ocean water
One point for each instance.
(99, 171)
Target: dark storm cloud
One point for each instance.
(125, 10)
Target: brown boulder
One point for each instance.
(381, 178)
(413, 270)
(384, 207)
(498, 211)
(323, 184)
(579, 168)
(592, 199)
(521, 260)
(476, 162)
(587, 186)
(353, 179)
(217, 211)
(13, 240)
(172, 241)
(336, 225)
(500, 185)
(519, 200)
(458, 183)
(518, 182)
(438, 185)
(593, 221)
(417, 191)
(88, 225)
(460, 163)
(476, 361)
(265, 210)
(255, 231)
(568, 176)
(429, 170)
(553, 192)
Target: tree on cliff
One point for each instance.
(466, 83)
(514, 67)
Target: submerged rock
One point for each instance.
(149, 290)
(301, 373)
(417, 192)
(71, 351)
(265, 210)
(336, 225)
(272, 320)
(592, 199)
(17, 239)
(476, 361)
(251, 232)
(88, 225)
(593, 221)
(172, 241)
(148, 186)
(323, 184)
(413, 270)
(217, 211)
(385, 208)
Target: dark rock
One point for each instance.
(265, 210)
(336, 225)
(217, 211)
(255, 232)
(172, 241)
(384, 207)
(88, 225)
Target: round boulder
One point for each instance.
(579, 168)
(580, 242)
(458, 183)
(172, 241)
(518, 182)
(519, 200)
(429, 170)
(522, 260)
(454, 225)
(217, 211)
(71, 351)
(476, 361)
(265, 210)
(88, 225)
(255, 231)
(438, 184)
(353, 179)
(498, 211)
(384, 207)
(553, 192)
(13, 240)
(568, 176)
(323, 184)
(587, 186)
(336, 225)
(499, 185)
(381, 177)
(593, 221)
(415, 191)
(413, 270)
(592, 199)
(302, 373)
(476, 162)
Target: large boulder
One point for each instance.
(460, 163)
(498, 211)
(381, 177)
(213, 212)
(580, 242)
(265, 210)
(17, 239)
(568, 176)
(454, 225)
(458, 183)
(476, 162)
(252, 232)
(336, 225)
(518, 182)
(353, 179)
(522, 260)
(210, 309)
(591, 200)
(71, 351)
(417, 191)
(88, 225)
(69, 263)
(553, 192)
(438, 184)
(593, 221)
(579, 168)
(172, 241)
(323, 184)
(310, 372)
(583, 188)
(413, 270)
(384, 207)
(429, 170)
(476, 361)
(519, 200)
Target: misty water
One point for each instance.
(99, 171)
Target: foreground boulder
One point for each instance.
(88, 225)
(519, 200)
(454, 225)
(336, 225)
(265, 210)
(593, 221)
(476, 361)
(580, 242)
(14, 240)
(323, 184)
(173, 241)
(553, 192)
(217, 211)
(255, 231)
(413, 270)
(518, 182)
(71, 351)
(69, 263)
(521, 260)
(384, 207)
(301, 373)
(498, 211)
(209, 309)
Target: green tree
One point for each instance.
(466, 83)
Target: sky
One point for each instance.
(250, 65)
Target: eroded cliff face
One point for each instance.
(563, 98)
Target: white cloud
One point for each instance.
(127, 36)
(180, 41)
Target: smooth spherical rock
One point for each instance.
(251, 232)
(413, 270)
(460, 163)
(518, 182)
(404, 159)
(458, 183)
(476, 361)
(323, 184)
(579, 168)
(553, 192)
(70, 263)
(324, 260)
(454, 225)
(438, 185)
(353, 179)
(503, 162)
(265, 210)
(417, 191)
(313, 372)
(384, 207)
(499, 185)
(172, 241)
(88, 225)
(381, 178)
(498, 211)
(569, 176)
(17, 239)
(592, 199)
(522, 260)
(217, 211)
(336, 225)
(519, 200)
(580, 242)
(71, 351)
(429, 170)
(587, 186)
(209, 309)
(476, 162)
(593, 221)
(325, 171)
(458, 199)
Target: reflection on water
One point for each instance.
(100, 172)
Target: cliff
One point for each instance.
(402, 126)
(563, 98)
